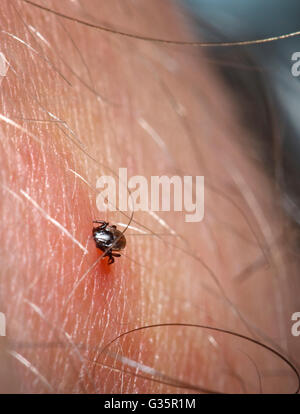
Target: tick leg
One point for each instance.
(104, 223)
(116, 254)
(109, 254)
(111, 259)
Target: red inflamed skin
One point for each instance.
(78, 103)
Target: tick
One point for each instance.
(108, 239)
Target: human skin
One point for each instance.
(78, 103)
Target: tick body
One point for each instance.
(109, 240)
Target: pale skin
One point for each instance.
(77, 103)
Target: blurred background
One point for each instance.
(261, 76)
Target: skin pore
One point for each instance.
(78, 103)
